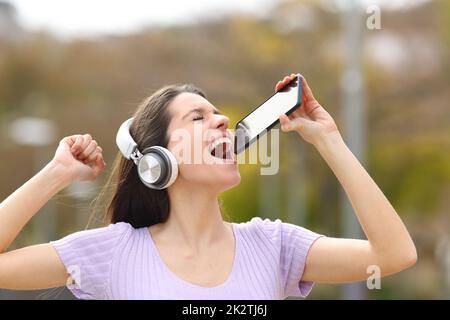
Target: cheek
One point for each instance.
(188, 148)
(195, 172)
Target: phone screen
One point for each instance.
(264, 117)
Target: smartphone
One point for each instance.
(266, 116)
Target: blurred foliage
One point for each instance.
(92, 84)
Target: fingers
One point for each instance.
(76, 146)
(285, 81)
(90, 148)
(82, 146)
(287, 124)
(85, 140)
(93, 155)
(278, 86)
(295, 124)
(284, 120)
(307, 92)
(99, 166)
(70, 140)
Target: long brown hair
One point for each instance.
(132, 201)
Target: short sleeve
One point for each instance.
(87, 256)
(293, 243)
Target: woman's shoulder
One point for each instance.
(261, 230)
(88, 256)
(117, 228)
(105, 235)
(276, 231)
(256, 224)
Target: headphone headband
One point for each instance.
(157, 167)
(125, 141)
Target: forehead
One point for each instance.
(185, 102)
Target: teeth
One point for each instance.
(219, 141)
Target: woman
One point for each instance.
(173, 243)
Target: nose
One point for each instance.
(220, 122)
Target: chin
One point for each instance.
(234, 182)
(214, 177)
(226, 180)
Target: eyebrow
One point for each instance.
(200, 110)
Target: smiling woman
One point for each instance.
(170, 241)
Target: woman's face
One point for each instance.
(202, 143)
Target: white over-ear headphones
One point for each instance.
(157, 166)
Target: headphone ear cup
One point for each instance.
(157, 168)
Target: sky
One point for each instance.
(80, 17)
(68, 18)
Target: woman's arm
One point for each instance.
(22, 205)
(388, 245)
(77, 158)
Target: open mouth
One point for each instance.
(221, 149)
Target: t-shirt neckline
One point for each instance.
(230, 277)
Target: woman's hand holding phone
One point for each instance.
(310, 120)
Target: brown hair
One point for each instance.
(132, 201)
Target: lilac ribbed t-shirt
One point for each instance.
(121, 262)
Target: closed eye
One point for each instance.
(199, 112)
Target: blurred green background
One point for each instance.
(91, 83)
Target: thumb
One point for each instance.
(296, 124)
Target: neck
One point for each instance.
(195, 218)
